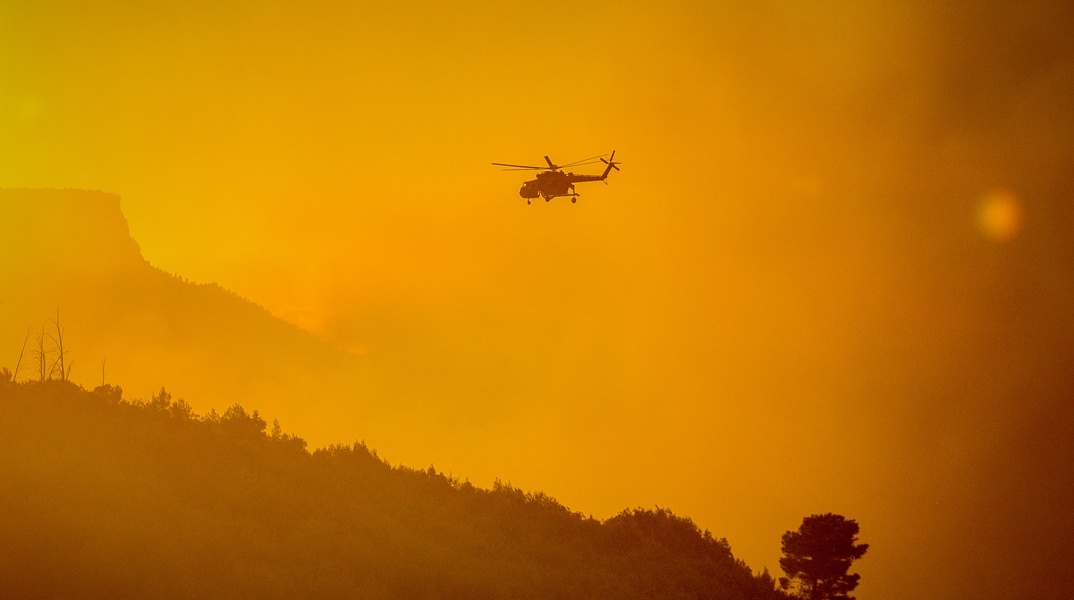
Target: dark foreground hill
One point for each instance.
(103, 497)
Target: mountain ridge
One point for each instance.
(126, 319)
(101, 207)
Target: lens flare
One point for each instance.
(999, 216)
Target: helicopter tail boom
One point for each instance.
(612, 164)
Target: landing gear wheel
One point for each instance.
(574, 200)
(527, 202)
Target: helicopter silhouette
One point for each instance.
(552, 182)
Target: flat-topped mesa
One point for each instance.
(47, 231)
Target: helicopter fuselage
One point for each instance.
(552, 184)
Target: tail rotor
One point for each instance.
(612, 164)
(611, 161)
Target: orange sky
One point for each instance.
(818, 284)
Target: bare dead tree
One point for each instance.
(61, 354)
(21, 352)
(51, 361)
(52, 371)
(41, 354)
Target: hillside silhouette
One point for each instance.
(71, 251)
(105, 497)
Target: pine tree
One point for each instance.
(816, 558)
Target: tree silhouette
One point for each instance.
(816, 558)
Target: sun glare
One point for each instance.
(999, 216)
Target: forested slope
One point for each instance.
(103, 497)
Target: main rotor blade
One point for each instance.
(524, 168)
(518, 166)
(580, 164)
(584, 160)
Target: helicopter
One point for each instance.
(552, 182)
